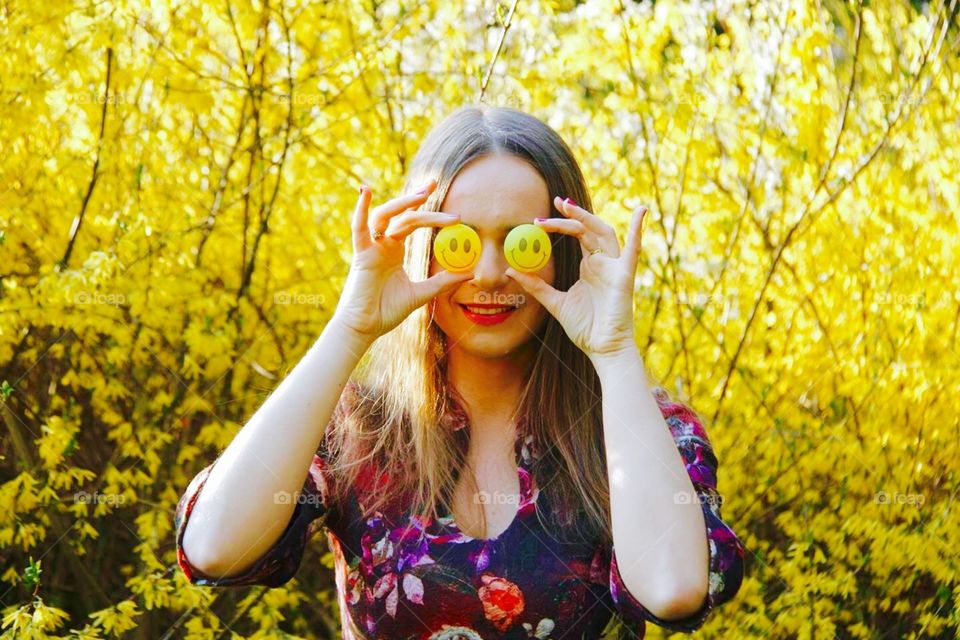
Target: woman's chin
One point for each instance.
(491, 347)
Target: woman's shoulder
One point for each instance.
(354, 391)
(356, 394)
(681, 417)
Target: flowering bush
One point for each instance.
(175, 186)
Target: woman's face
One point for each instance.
(493, 194)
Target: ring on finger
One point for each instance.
(595, 250)
(377, 234)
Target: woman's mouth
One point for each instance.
(487, 314)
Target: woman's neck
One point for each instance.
(491, 390)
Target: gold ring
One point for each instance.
(597, 250)
(377, 234)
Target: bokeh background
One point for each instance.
(176, 181)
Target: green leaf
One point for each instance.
(31, 575)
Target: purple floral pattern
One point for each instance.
(399, 576)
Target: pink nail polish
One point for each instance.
(540, 219)
(570, 200)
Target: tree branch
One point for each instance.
(75, 228)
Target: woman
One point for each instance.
(475, 480)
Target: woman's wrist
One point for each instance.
(355, 340)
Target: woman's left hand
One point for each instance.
(597, 311)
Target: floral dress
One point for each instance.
(393, 582)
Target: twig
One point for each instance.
(75, 228)
(496, 54)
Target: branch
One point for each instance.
(496, 54)
(75, 228)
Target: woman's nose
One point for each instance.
(490, 270)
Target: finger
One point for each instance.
(361, 234)
(380, 218)
(634, 237)
(438, 283)
(561, 225)
(403, 225)
(589, 220)
(538, 288)
(588, 241)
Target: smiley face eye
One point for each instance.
(466, 245)
(536, 246)
(453, 244)
(523, 244)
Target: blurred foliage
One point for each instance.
(175, 186)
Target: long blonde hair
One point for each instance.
(395, 423)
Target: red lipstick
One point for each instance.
(487, 319)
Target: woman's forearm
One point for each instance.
(236, 517)
(658, 527)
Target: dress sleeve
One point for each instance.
(311, 513)
(726, 550)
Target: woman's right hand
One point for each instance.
(378, 295)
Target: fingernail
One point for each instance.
(540, 219)
(361, 188)
(570, 200)
(423, 188)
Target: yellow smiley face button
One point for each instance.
(527, 248)
(457, 247)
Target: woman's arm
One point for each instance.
(237, 518)
(659, 536)
(726, 552)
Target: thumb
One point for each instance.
(440, 282)
(538, 288)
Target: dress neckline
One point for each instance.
(526, 503)
(457, 420)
